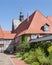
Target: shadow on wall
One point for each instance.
(9, 46)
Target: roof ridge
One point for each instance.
(34, 14)
(31, 17)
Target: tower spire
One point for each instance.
(21, 16)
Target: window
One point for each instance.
(46, 28)
(33, 36)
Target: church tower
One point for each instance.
(17, 22)
(21, 16)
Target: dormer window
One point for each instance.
(46, 28)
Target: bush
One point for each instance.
(35, 63)
(32, 56)
(50, 58)
(50, 49)
(27, 60)
(32, 52)
(43, 60)
(39, 52)
(50, 54)
(23, 47)
(30, 59)
(37, 55)
(18, 54)
(41, 56)
(25, 55)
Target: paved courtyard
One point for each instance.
(4, 60)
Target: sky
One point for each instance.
(10, 9)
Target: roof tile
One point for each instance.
(34, 24)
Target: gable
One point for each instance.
(37, 22)
(34, 24)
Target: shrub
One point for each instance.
(32, 52)
(32, 56)
(18, 54)
(35, 63)
(50, 54)
(24, 46)
(25, 55)
(45, 45)
(39, 52)
(27, 60)
(36, 55)
(50, 58)
(30, 59)
(43, 60)
(50, 49)
(41, 56)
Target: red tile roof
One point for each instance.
(34, 24)
(6, 31)
(49, 18)
(9, 35)
(6, 34)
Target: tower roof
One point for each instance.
(21, 16)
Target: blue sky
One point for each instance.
(9, 9)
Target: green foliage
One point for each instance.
(18, 54)
(23, 47)
(29, 57)
(27, 60)
(42, 59)
(32, 52)
(36, 54)
(35, 63)
(45, 45)
(39, 52)
(41, 56)
(25, 55)
(50, 58)
(50, 54)
(24, 38)
(50, 49)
